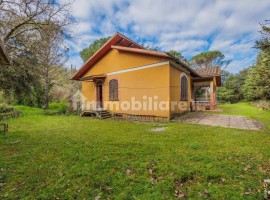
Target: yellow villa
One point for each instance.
(124, 79)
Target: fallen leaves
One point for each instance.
(179, 194)
(205, 193)
(97, 197)
(129, 172)
(180, 188)
(247, 168)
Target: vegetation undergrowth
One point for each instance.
(7, 112)
(58, 108)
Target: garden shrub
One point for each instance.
(7, 112)
(58, 108)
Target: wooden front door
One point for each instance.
(99, 95)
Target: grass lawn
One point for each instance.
(49, 157)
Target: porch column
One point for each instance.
(189, 93)
(213, 94)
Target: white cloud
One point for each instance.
(189, 26)
(186, 46)
(237, 65)
(86, 9)
(83, 26)
(75, 61)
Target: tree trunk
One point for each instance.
(47, 87)
(47, 95)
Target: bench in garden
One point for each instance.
(5, 126)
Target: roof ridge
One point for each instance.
(121, 35)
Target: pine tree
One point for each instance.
(257, 84)
(93, 48)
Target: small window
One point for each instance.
(184, 88)
(113, 90)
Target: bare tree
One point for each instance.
(23, 28)
(52, 55)
(20, 16)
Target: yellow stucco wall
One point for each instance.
(143, 84)
(180, 106)
(115, 60)
(156, 84)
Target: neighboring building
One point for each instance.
(130, 81)
(3, 55)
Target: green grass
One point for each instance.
(245, 109)
(67, 157)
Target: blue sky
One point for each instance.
(188, 26)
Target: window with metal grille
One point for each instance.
(113, 90)
(184, 88)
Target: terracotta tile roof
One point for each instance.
(209, 71)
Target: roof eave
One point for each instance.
(192, 71)
(102, 51)
(82, 70)
(219, 83)
(140, 51)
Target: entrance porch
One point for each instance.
(205, 93)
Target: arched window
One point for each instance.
(184, 88)
(113, 90)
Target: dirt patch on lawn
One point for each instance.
(158, 129)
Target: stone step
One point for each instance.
(105, 117)
(107, 114)
(102, 114)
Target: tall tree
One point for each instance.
(257, 84)
(21, 24)
(208, 59)
(93, 48)
(150, 47)
(225, 75)
(52, 55)
(232, 88)
(176, 54)
(264, 43)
